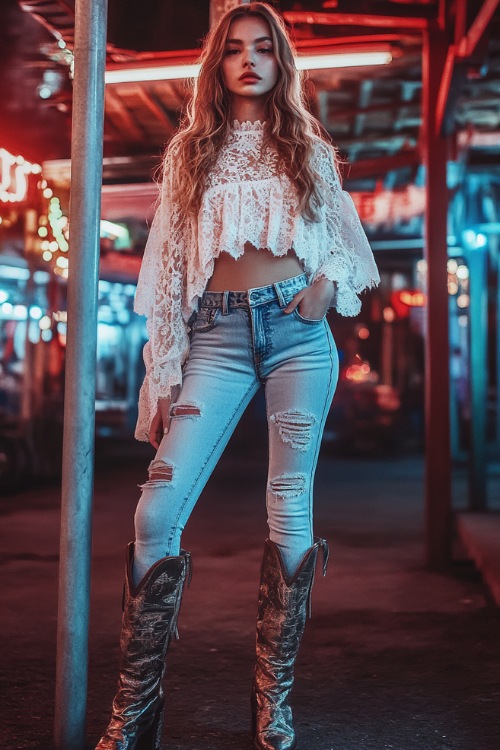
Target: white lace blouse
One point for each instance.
(247, 199)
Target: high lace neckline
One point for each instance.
(248, 127)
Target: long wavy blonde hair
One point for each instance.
(290, 127)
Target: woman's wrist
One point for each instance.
(327, 288)
(174, 394)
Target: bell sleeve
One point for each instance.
(160, 297)
(346, 257)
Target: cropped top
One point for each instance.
(247, 199)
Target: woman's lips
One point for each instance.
(250, 78)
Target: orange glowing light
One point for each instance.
(388, 314)
(14, 171)
(358, 373)
(412, 299)
(404, 299)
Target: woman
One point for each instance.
(251, 244)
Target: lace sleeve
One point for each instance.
(348, 260)
(160, 296)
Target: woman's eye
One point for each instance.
(231, 52)
(265, 49)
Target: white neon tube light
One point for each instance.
(109, 227)
(342, 60)
(303, 62)
(162, 73)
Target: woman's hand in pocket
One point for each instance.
(313, 301)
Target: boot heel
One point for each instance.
(151, 738)
(253, 709)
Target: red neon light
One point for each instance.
(404, 299)
(384, 206)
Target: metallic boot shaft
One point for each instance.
(150, 614)
(284, 604)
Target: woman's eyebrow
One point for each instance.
(256, 41)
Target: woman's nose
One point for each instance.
(249, 59)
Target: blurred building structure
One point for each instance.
(374, 113)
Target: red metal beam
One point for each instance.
(355, 19)
(332, 42)
(445, 86)
(469, 42)
(460, 20)
(412, 2)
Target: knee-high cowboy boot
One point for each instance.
(150, 613)
(284, 604)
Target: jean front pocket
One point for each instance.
(288, 297)
(308, 321)
(205, 319)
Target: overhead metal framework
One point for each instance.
(375, 119)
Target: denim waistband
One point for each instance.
(257, 296)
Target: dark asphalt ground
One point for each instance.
(395, 656)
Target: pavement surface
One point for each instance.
(395, 656)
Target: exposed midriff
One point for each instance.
(252, 269)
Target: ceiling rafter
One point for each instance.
(156, 109)
(116, 109)
(57, 16)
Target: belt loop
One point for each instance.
(225, 302)
(279, 294)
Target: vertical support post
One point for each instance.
(455, 368)
(79, 407)
(497, 389)
(28, 389)
(219, 7)
(437, 401)
(478, 333)
(387, 349)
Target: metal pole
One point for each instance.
(478, 332)
(437, 368)
(79, 407)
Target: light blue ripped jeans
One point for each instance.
(240, 341)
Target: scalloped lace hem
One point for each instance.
(247, 126)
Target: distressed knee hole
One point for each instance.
(288, 486)
(294, 428)
(184, 410)
(160, 471)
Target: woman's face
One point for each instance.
(249, 66)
